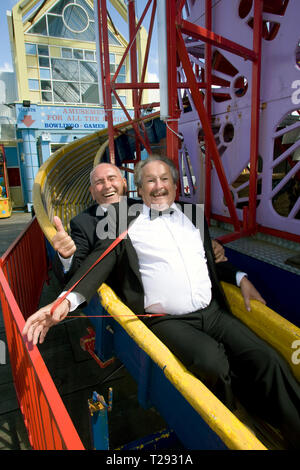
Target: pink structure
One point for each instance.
(233, 75)
(232, 110)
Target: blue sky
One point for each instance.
(5, 53)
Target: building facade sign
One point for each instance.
(62, 118)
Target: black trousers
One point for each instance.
(232, 361)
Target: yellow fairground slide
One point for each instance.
(62, 188)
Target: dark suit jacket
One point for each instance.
(83, 232)
(120, 270)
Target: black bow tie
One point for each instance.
(153, 213)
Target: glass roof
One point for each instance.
(70, 19)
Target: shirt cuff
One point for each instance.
(66, 262)
(75, 299)
(239, 277)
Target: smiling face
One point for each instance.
(107, 184)
(158, 189)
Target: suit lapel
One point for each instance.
(132, 256)
(123, 221)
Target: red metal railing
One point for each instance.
(25, 267)
(46, 419)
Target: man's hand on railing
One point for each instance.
(62, 242)
(38, 324)
(219, 251)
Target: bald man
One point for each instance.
(107, 186)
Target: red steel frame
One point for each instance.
(249, 225)
(110, 86)
(104, 64)
(256, 71)
(177, 53)
(208, 101)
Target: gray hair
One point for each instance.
(99, 164)
(153, 158)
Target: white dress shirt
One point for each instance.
(66, 262)
(172, 263)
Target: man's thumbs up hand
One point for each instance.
(62, 242)
(58, 224)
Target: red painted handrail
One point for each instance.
(23, 267)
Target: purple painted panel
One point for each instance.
(231, 111)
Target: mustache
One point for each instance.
(164, 192)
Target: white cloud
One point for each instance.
(6, 67)
(153, 94)
(152, 77)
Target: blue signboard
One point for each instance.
(62, 117)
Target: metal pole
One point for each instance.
(208, 97)
(255, 107)
(102, 14)
(198, 102)
(133, 68)
(174, 113)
